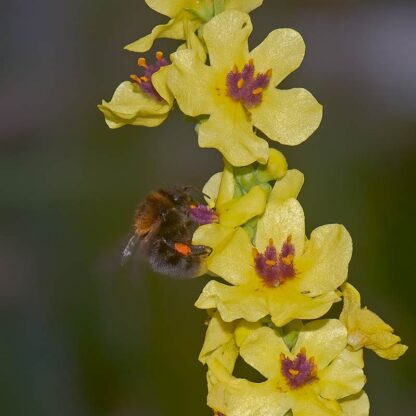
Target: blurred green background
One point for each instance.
(81, 336)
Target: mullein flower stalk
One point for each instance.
(268, 276)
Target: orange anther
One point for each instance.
(293, 372)
(269, 73)
(235, 69)
(271, 263)
(251, 62)
(257, 91)
(271, 244)
(240, 83)
(183, 249)
(144, 79)
(159, 55)
(142, 62)
(135, 78)
(288, 260)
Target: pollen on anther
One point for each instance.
(144, 79)
(258, 91)
(159, 55)
(288, 259)
(142, 62)
(269, 73)
(271, 263)
(235, 69)
(240, 83)
(135, 78)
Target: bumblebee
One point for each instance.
(164, 224)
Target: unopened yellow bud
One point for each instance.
(275, 168)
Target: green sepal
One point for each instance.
(218, 6)
(291, 332)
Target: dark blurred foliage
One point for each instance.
(81, 336)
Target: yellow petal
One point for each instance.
(227, 186)
(242, 5)
(288, 187)
(233, 302)
(287, 116)
(169, 7)
(190, 80)
(211, 188)
(212, 235)
(323, 339)
(279, 221)
(232, 134)
(343, 377)
(239, 210)
(308, 403)
(234, 260)
(366, 329)
(226, 38)
(240, 397)
(287, 303)
(192, 40)
(244, 329)
(324, 265)
(261, 350)
(130, 105)
(392, 353)
(282, 51)
(174, 29)
(218, 334)
(356, 405)
(159, 81)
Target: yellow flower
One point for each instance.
(238, 91)
(366, 329)
(283, 274)
(186, 16)
(233, 211)
(317, 376)
(144, 102)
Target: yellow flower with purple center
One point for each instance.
(366, 329)
(279, 272)
(186, 17)
(237, 90)
(143, 101)
(316, 375)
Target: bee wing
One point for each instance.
(130, 248)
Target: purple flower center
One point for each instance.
(275, 269)
(246, 86)
(145, 81)
(202, 214)
(300, 371)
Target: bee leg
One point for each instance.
(201, 250)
